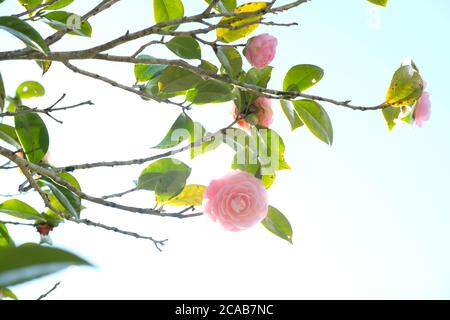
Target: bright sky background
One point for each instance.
(371, 215)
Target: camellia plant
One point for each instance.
(240, 199)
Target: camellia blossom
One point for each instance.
(260, 113)
(237, 201)
(422, 112)
(260, 50)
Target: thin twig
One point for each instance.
(120, 194)
(45, 295)
(157, 243)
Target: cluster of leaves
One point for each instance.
(259, 151)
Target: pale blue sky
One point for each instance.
(371, 215)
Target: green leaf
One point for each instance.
(245, 161)
(391, 114)
(208, 66)
(24, 32)
(224, 6)
(60, 20)
(62, 198)
(185, 47)
(259, 77)
(167, 177)
(241, 27)
(231, 61)
(29, 262)
(44, 65)
(192, 195)
(302, 77)
(381, 3)
(9, 135)
(199, 133)
(19, 209)
(180, 131)
(175, 79)
(30, 4)
(271, 150)
(406, 87)
(291, 115)
(2, 94)
(210, 91)
(58, 4)
(278, 224)
(32, 134)
(146, 72)
(5, 238)
(165, 10)
(316, 119)
(7, 293)
(30, 89)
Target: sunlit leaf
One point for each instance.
(192, 195)
(241, 27)
(30, 89)
(291, 115)
(166, 10)
(316, 119)
(278, 224)
(381, 3)
(19, 209)
(406, 87)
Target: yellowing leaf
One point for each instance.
(406, 87)
(241, 27)
(192, 195)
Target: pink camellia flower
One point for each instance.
(237, 201)
(422, 112)
(260, 50)
(260, 113)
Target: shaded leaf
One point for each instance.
(24, 32)
(185, 47)
(9, 135)
(231, 61)
(175, 79)
(210, 91)
(62, 198)
(32, 134)
(167, 177)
